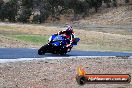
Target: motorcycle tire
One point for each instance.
(63, 52)
(42, 50)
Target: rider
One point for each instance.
(68, 33)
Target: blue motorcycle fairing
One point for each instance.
(58, 40)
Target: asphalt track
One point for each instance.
(16, 53)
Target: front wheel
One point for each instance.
(41, 51)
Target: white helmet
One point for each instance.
(69, 28)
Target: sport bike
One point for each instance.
(58, 44)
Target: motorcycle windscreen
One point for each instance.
(58, 38)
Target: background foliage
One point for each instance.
(37, 11)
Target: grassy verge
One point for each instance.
(36, 39)
(98, 46)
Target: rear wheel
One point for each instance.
(62, 53)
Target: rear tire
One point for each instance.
(63, 51)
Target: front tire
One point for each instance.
(42, 50)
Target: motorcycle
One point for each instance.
(58, 44)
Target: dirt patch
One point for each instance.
(119, 15)
(105, 40)
(26, 29)
(61, 73)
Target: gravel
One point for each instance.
(60, 73)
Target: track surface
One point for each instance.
(16, 53)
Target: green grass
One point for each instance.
(36, 39)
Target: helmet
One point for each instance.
(69, 28)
